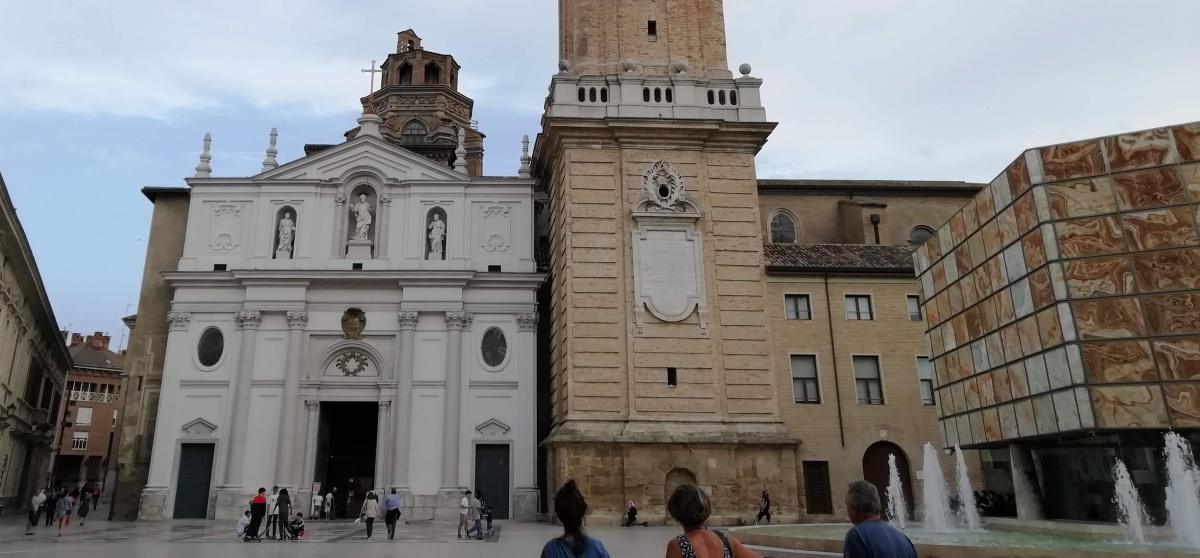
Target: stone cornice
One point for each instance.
(403, 278)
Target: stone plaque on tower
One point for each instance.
(668, 266)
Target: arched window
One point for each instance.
(405, 74)
(783, 228)
(414, 133)
(433, 73)
(919, 235)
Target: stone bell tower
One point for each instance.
(658, 357)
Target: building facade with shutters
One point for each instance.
(91, 409)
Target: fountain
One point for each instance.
(937, 502)
(1183, 491)
(966, 495)
(897, 507)
(1130, 513)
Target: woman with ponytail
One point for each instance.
(570, 508)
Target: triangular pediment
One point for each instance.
(199, 428)
(492, 427)
(364, 152)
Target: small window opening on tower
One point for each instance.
(219, 267)
(672, 377)
(652, 28)
(493, 269)
(356, 267)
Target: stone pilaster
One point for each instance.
(239, 401)
(308, 457)
(287, 472)
(402, 414)
(381, 438)
(455, 322)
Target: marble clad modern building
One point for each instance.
(33, 364)
(1062, 309)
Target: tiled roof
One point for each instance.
(847, 258)
(85, 357)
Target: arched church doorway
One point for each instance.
(345, 457)
(875, 471)
(675, 478)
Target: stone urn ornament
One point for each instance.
(354, 321)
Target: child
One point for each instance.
(297, 526)
(243, 524)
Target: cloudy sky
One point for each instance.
(101, 98)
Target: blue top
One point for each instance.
(877, 539)
(392, 502)
(558, 548)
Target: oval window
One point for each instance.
(211, 347)
(494, 347)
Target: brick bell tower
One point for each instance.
(657, 364)
(421, 106)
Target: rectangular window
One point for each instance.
(114, 417)
(83, 416)
(868, 380)
(805, 387)
(816, 487)
(925, 376)
(914, 308)
(79, 441)
(796, 307)
(858, 307)
(652, 28)
(672, 377)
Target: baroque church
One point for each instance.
(628, 311)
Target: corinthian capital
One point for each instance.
(178, 321)
(297, 319)
(457, 319)
(408, 319)
(249, 319)
(527, 322)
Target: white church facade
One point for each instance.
(362, 318)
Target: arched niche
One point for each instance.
(362, 192)
(414, 132)
(919, 234)
(433, 73)
(283, 246)
(434, 251)
(783, 228)
(405, 73)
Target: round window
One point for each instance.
(494, 347)
(211, 347)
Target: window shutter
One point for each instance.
(816, 487)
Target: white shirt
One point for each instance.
(464, 506)
(243, 524)
(38, 500)
(317, 501)
(271, 508)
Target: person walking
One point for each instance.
(476, 516)
(391, 513)
(370, 510)
(283, 508)
(273, 512)
(871, 537)
(85, 505)
(328, 505)
(690, 507)
(764, 508)
(95, 497)
(570, 507)
(51, 507)
(258, 508)
(63, 508)
(464, 513)
(37, 506)
(318, 505)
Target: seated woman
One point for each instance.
(570, 508)
(631, 514)
(689, 506)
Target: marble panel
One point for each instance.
(975, 248)
(1109, 318)
(1043, 408)
(1081, 198)
(991, 425)
(995, 349)
(1108, 275)
(1012, 342)
(1066, 321)
(1049, 330)
(1187, 141)
(933, 248)
(987, 392)
(945, 239)
(1017, 173)
(1129, 406)
(1041, 290)
(950, 431)
(974, 323)
(977, 426)
(946, 401)
(948, 336)
(964, 430)
(997, 273)
(1071, 160)
(958, 228)
(1041, 203)
(934, 338)
(1008, 422)
(1026, 420)
(1001, 387)
(960, 330)
(970, 216)
(1007, 223)
(1159, 228)
(1001, 193)
(1035, 372)
(971, 392)
(1178, 358)
(1034, 250)
(1183, 399)
(979, 356)
(1146, 189)
(1090, 236)
(987, 314)
(1066, 410)
(951, 266)
(1167, 270)
(958, 399)
(1025, 213)
(1031, 339)
(1190, 176)
(1075, 361)
(1049, 241)
(970, 294)
(1022, 298)
(1084, 403)
(1017, 380)
(1148, 148)
(1057, 368)
(1109, 362)
(991, 237)
(938, 272)
(942, 301)
(984, 206)
(1173, 314)
(1058, 280)
(1004, 307)
(962, 259)
(983, 282)
(1014, 260)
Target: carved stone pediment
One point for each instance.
(668, 255)
(199, 428)
(492, 428)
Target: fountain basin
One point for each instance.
(1009, 540)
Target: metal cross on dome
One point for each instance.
(372, 71)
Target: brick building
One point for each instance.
(91, 407)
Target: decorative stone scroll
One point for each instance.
(668, 256)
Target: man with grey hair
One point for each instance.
(872, 537)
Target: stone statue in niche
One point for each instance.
(362, 218)
(437, 237)
(354, 321)
(287, 230)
